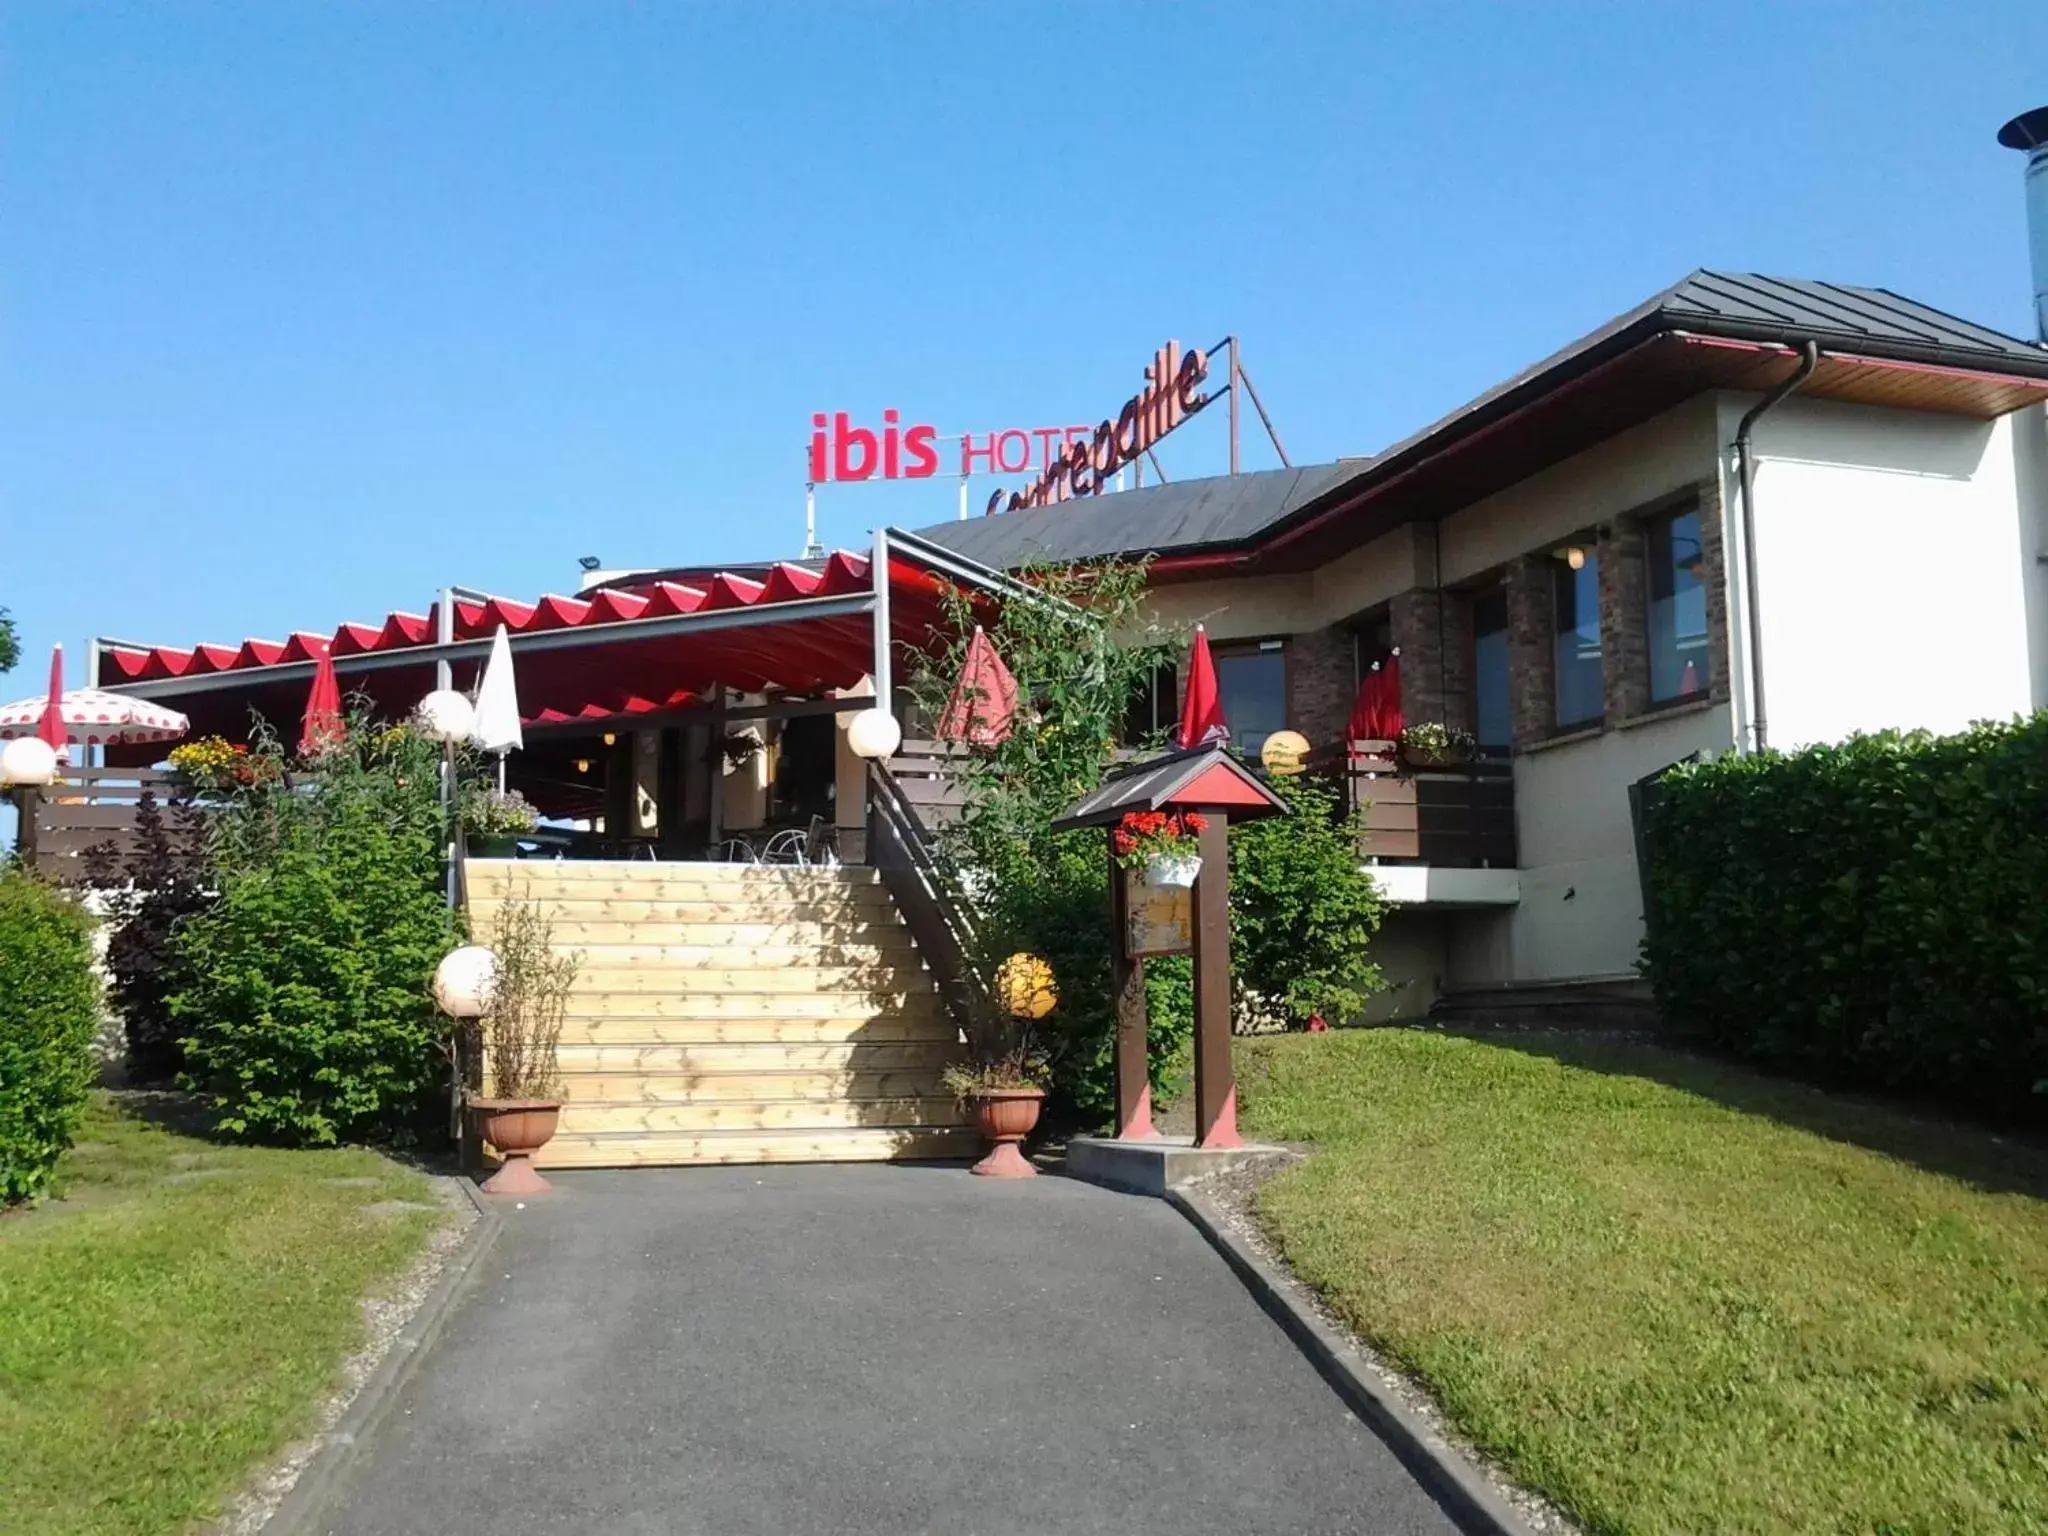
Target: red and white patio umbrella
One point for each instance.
(89, 717)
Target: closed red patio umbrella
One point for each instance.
(983, 707)
(1376, 714)
(51, 728)
(1201, 712)
(323, 726)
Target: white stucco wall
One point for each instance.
(1581, 912)
(1897, 567)
(1631, 469)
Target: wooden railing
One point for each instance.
(93, 811)
(1460, 818)
(900, 849)
(925, 777)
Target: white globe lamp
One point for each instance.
(28, 762)
(463, 981)
(446, 715)
(874, 733)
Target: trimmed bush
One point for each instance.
(306, 1015)
(147, 896)
(1874, 913)
(49, 1009)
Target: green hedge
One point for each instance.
(1874, 913)
(49, 1009)
(305, 1013)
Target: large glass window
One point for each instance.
(1492, 716)
(1253, 683)
(1154, 708)
(1576, 602)
(1681, 662)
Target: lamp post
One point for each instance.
(463, 982)
(27, 764)
(874, 734)
(448, 717)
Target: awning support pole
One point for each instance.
(878, 571)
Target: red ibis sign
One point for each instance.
(1070, 461)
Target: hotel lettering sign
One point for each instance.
(1069, 461)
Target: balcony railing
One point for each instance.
(1456, 818)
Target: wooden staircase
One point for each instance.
(728, 1013)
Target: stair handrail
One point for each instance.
(900, 848)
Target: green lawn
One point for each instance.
(1676, 1296)
(169, 1323)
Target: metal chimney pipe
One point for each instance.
(2029, 132)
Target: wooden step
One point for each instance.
(779, 958)
(888, 1029)
(741, 1059)
(675, 883)
(568, 871)
(930, 1110)
(629, 1149)
(698, 908)
(745, 1087)
(610, 1006)
(881, 929)
(748, 992)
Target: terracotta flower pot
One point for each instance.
(518, 1128)
(1006, 1116)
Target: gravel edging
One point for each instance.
(401, 1321)
(1478, 1494)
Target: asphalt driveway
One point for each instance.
(864, 1349)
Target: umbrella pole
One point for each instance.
(501, 773)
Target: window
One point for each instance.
(1492, 715)
(1253, 684)
(1681, 662)
(1576, 606)
(1154, 708)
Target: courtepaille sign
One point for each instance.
(1173, 392)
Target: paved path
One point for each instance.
(864, 1349)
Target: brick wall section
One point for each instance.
(1624, 619)
(1532, 683)
(1458, 699)
(1712, 548)
(1416, 616)
(1321, 684)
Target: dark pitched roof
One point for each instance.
(1235, 512)
(1184, 515)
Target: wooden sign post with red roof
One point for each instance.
(1208, 781)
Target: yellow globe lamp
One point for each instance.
(1285, 753)
(1024, 986)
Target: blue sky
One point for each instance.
(310, 310)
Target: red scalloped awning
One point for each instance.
(806, 653)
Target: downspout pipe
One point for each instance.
(1745, 473)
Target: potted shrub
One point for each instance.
(1435, 745)
(1162, 845)
(1006, 1095)
(492, 820)
(522, 1024)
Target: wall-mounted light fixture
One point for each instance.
(1573, 555)
(583, 765)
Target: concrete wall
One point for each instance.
(1409, 950)
(1897, 568)
(1581, 912)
